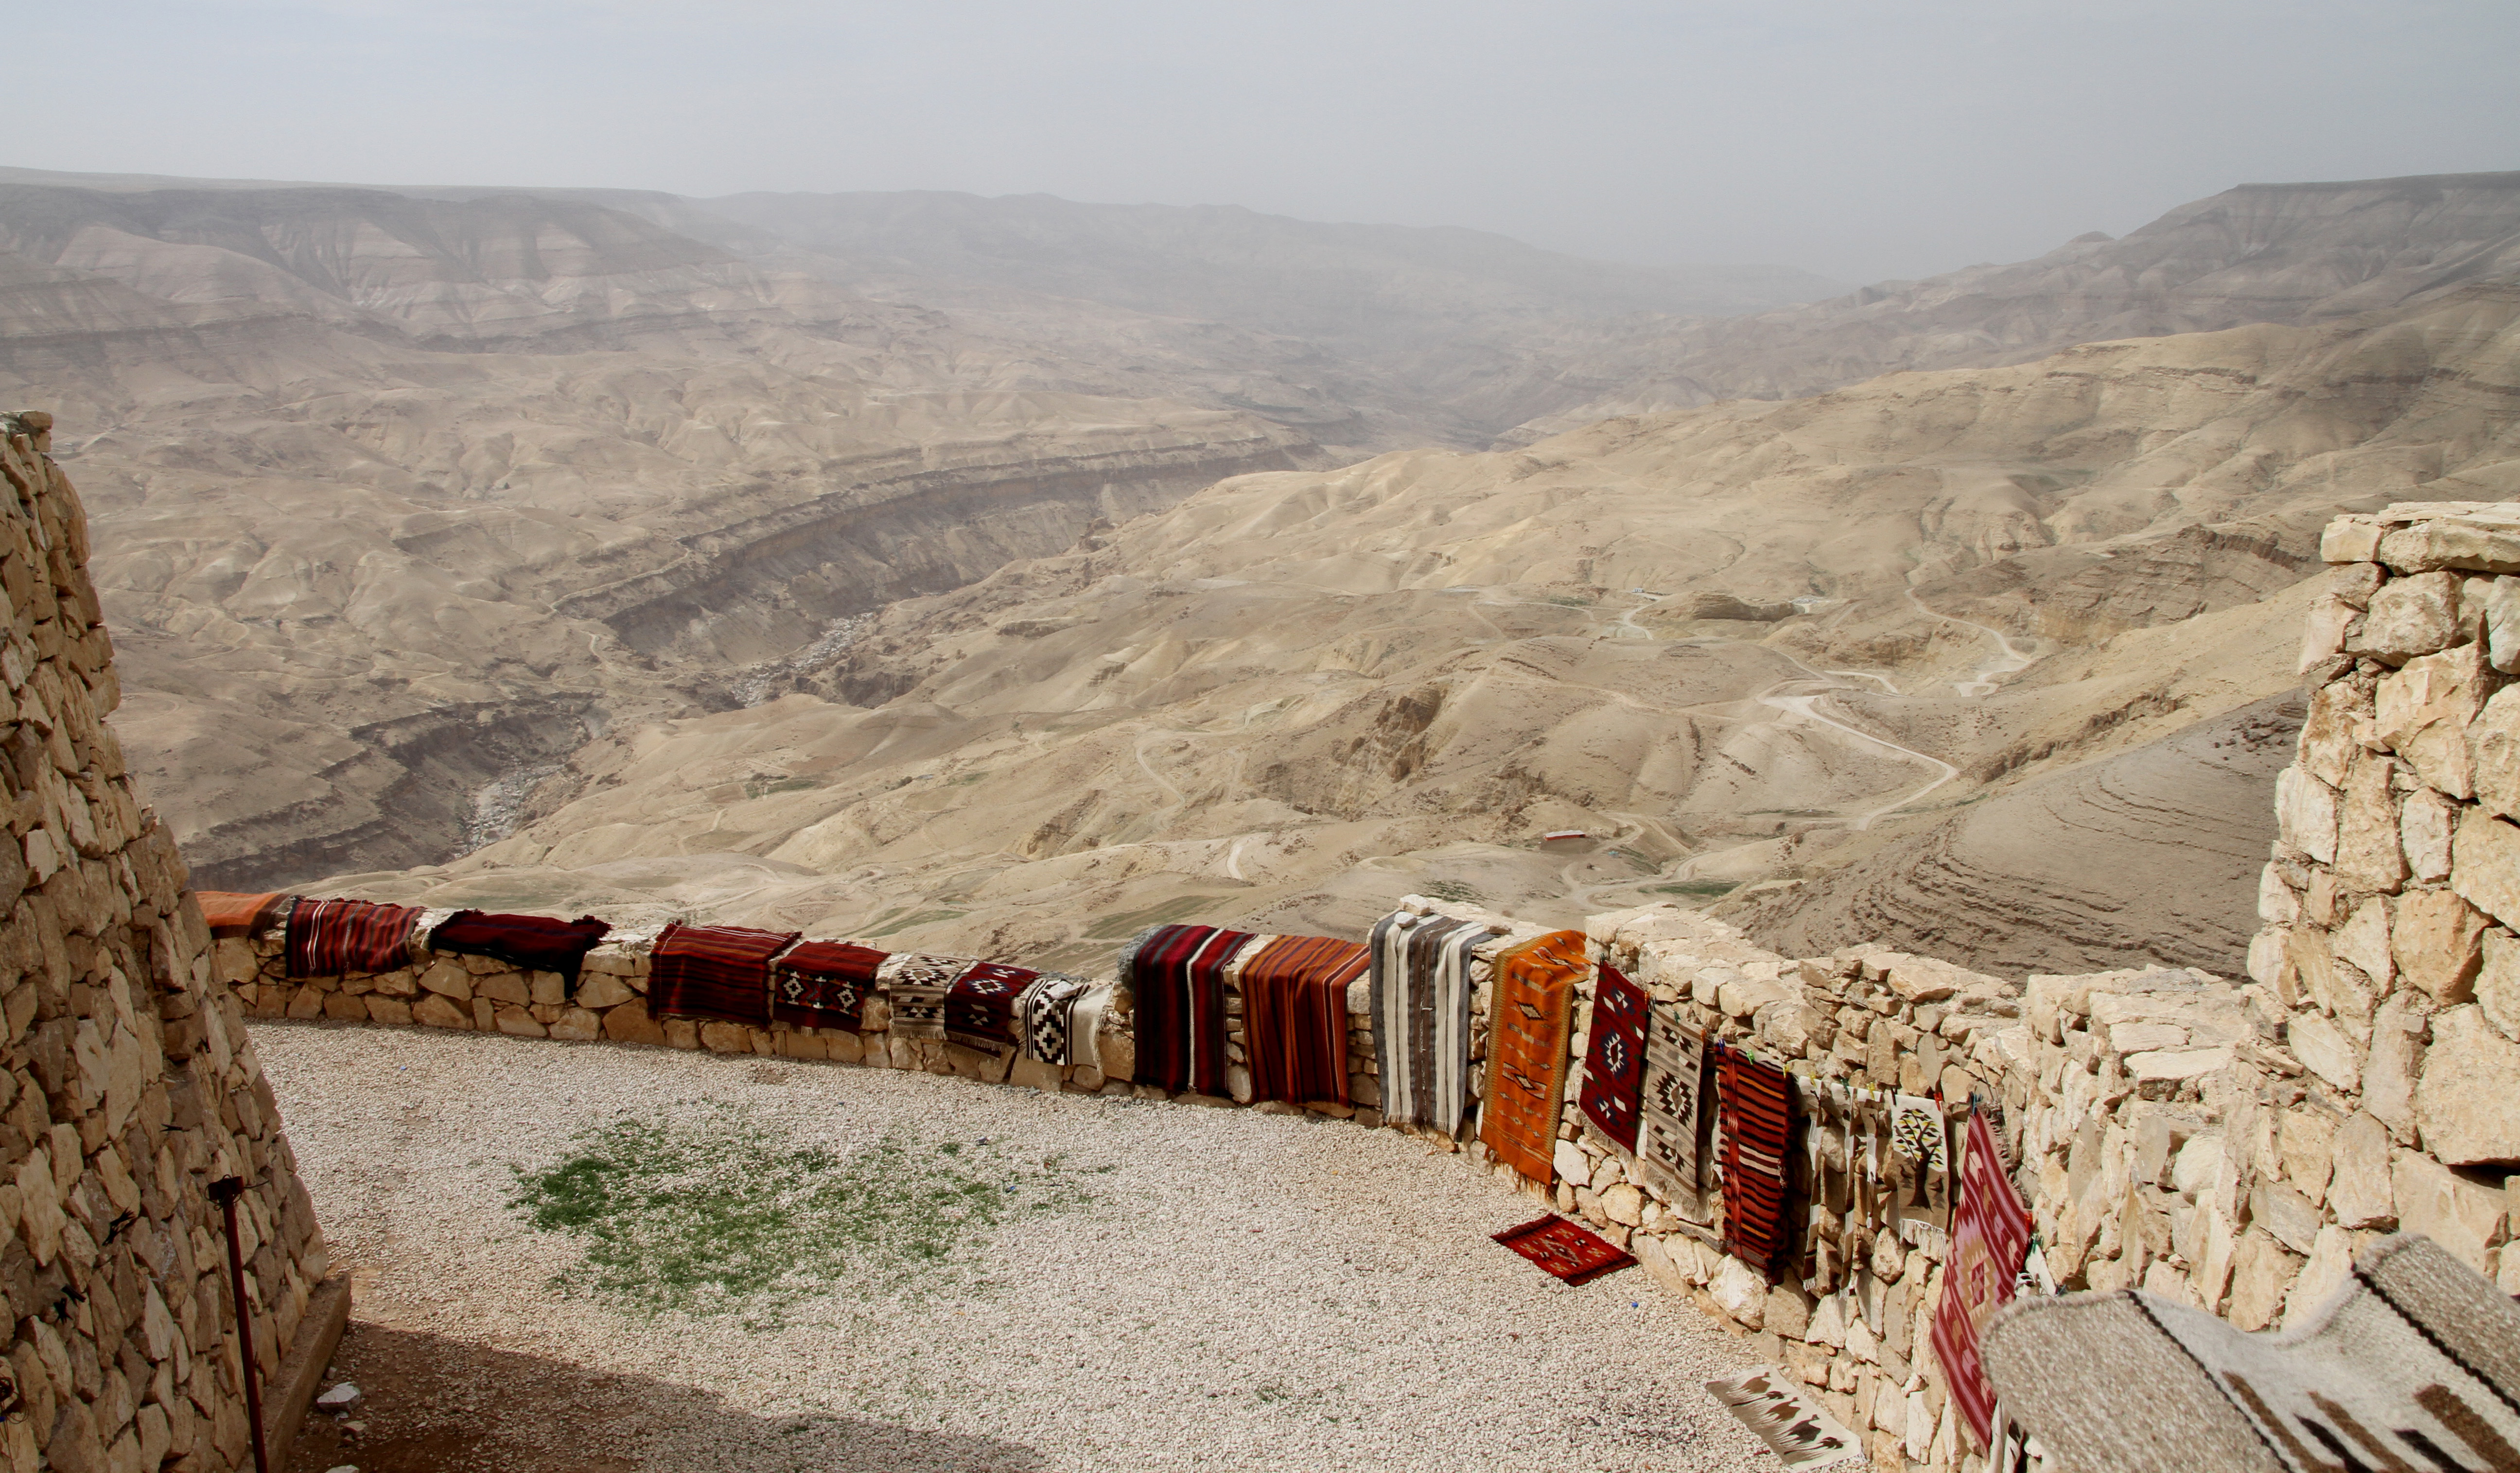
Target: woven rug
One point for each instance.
(1757, 1100)
(1671, 1108)
(2413, 1364)
(232, 914)
(982, 1007)
(1990, 1235)
(916, 986)
(1294, 1016)
(1565, 1250)
(1919, 1167)
(1534, 984)
(1085, 1028)
(714, 971)
(823, 984)
(1176, 974)
(1784, 1416)
(1614, 1061)
(1046, 1019)
(531, 943)
(332, 938)
(1422, 1016)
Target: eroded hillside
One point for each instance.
(1741, 643)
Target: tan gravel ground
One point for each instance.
(1210, 1289)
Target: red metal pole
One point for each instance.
(225, 1192)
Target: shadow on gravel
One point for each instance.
(434, 1404)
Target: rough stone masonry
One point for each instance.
(130, 1083)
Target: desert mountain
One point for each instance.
(1747, 642)
(2262, 253)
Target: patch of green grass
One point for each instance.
(726, 1214)
(1703, 889)
(762, 788)
(1452, 890)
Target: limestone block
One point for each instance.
(599, 990)
(577, 1024)
(2467, 1095)
(1624, 1205)
(2497, 981)
(517, 1022)
(384, 1010)
(447, 977)
(2422, 712)
(2451, 543)
(2286, 1213)
(233, 961)
(2425, 822)
(402, 982)
(2485, 864)
(1789, 1313)
(1741, 1292)
(2323, 1049)
(2494, 753)
(2307, 812)
(548, 989)
(2328, 732)
(485, 1014)
(2507, 1279)
(2340, 990)
(1572, 1164)
(2307, 1148)
(438, 1011)
(2410, 617)
(2350, 539)
(845, 1047)
(345, 1007)
(2262, 1271)
(507, 987)
(629, 1023)
(2364, 940)
(2331, 1258)
(2271, 963)
(2436, 940)
(2393, 1062)
(2175, 1064)
(2462, 1216)
(2325, 631)
(2367, 852)
(2500, 625)
(2276, 904)
(681, 1033)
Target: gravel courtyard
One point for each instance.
(951, 1277)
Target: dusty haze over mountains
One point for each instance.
(1002, 574)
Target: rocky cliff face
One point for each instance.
(2260, 252)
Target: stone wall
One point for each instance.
(131, 1084)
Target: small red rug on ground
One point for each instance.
(1565, 1250)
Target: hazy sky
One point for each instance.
(1861, 139)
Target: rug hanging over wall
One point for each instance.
(1535, 983)
(1671, 1111)
(1614, 1059)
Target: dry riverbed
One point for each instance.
(592, 1258)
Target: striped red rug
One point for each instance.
(714, 971)
(1565, 1250)
(1757, 1100)
(1294, 1016)
(332, 938)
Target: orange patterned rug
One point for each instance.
(1535, 982)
